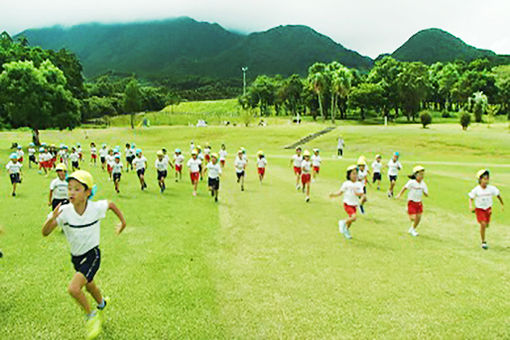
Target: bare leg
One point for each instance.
(94, 291)
(75, 290)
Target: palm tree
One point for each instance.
(341, 80)
(316, 80)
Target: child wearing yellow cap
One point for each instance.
(194, 164)
(80, 222)
(240, 166)
(58, 188)
(480, 202)
(417, 189)
(213, 169)
(352, 190)
(161, 165)
(261, 165)
(306, 174)
(14, 170)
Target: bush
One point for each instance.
(465, 120)
(446, 114)
(425, 118)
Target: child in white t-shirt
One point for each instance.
(213, 169)
(194, 165)
(377, 171)
(223, 155)
(93, 154)
(14, 170)
(178, 161)
(363, 177)
(261, 165)
(75, 159)
(306, 174)
(316, 163)
(394, 167)
(80, 223)
(417, 189)
(31, 155)
(296, 164)
(140, 164)
(352, 190)
(58, 188)
(480, 202)
(117, 172)
(161, 165)
(240, 166)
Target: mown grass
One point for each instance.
(263, 263)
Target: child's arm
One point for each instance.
(51, 222)
(500, 201)
(336, 194)
(50, 198)
(116, 211)
(171, 164)
(471, 208)
(401, 192)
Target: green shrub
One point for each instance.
(465, 120)
(425, 118)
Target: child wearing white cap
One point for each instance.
(363, 177)
(178, 161)
(296, 163)
(194, 164)
(240, 166)
(480, 202)
(140, 164)
(417, 189)
(213, 169)
(306, 174)
(58, 188)
(14, 169)
(117, 172)
(394, 167)
(223, 155)
(161, 165)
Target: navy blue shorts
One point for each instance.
(15, 178)
(88, 263)
(140, 172)
(376, 177)
(213, 183)
(116, 176)
(161, 174)
(57, 201)
(393, 178)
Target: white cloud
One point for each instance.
(367, 26)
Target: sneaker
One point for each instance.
(194, 193)
(347, 233)
(307, 199)
(13, 194)
(93, 326)
(242, 188)
(413, 232)
(106, 302)
(485, 246)
(362, 209)
(216, 199)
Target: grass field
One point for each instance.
(263, 263)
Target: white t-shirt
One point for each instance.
(82, 231)
(129, 152)
(416, 190)
(103, 152)
(340, 144)
(42, 157)
(78, 149)
(178, 159)
(13, 168)
(110, 159)
(117, 167)
(31, 151)
(161, 165)
(20, 153)
(74, 157)
(377, 167)
(316, 160)
(239, 164)
(194, 165)
(297, 160)
(261, 162)
(207, 150)
(139, 163)
(93, 150)
(47, 156)
(306, 166)
(222, 154)
(59, 189)
(394, 167)
(350, 189)
(362, 175)
(213, 170)
(483, 197)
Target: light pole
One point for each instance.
(244, 69)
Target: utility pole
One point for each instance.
(244, 69)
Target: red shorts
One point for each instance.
(109, 168)
(94, 156)
(20, 159)
(261, 171)
(306, 178)
(350, 209)
(195, 176)
(483, 215)
(316, 169)
(297, 170)
(414, 208)
(178, 168)
(207, 158)
(222, 161)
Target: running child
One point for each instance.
(79, 151)
(352, 191)
(117, 172)
(394, 167)
(261, 165)
(80, 222)
(377, 171)
(20, 154)
(140, 164)
(58, 188)
(103, 152)
(223, 155)
(93, 154)
(75, 159)
(14, 170)
(296, 161)
(316, 163)
(207, 153)
(363, 175)
(42, 160)
(194, 164)
(178, 160)
(200, 156)
(110, 159)
(481, 195)
(240, 166)
(213, 170)
(31, 155)
(417, 188)
(161, 166)
(306, 174)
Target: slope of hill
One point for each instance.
(432, 45)
(184, 46)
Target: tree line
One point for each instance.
(390, 89)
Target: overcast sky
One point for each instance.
(370, 27)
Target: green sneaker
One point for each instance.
(93, 326)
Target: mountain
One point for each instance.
(183, 46)
(433, 45)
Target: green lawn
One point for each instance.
(263, 263)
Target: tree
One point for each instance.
(413, 84)
(341, 80)
(385, 73)
(478, 103)
(37, 97)
(132, 100)
(447, 78)
(262, 93)
(366, 96)
(317, 82)
(503, 85)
